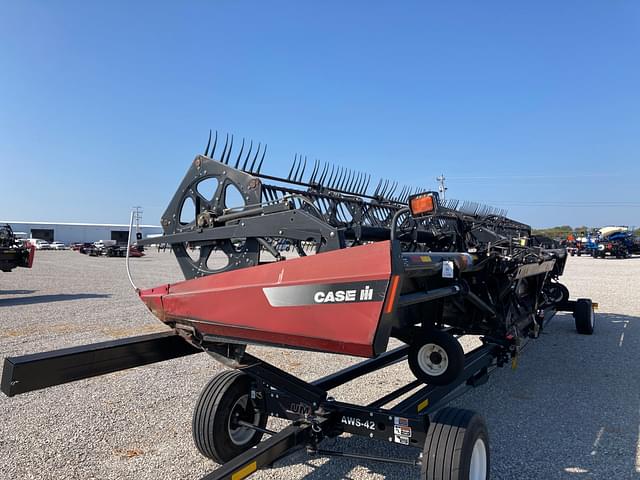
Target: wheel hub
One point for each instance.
(478, 465)
(242, 410)
(433, 359)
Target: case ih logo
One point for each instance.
(338, 296)
(315, 294)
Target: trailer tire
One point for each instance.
(584, 316)
(456, 446)
(436, 357)
(559, 293)
(225, 398)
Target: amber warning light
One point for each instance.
(423, 204)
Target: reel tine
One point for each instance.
(246, 159)
(355, 182)
(264, 152)
(254, 159)
(239, 154)
(362, 184)
(375, 193)
(304, 165)
(295, 175)
(334, 180)
(312, 177)
(361, 181)
(295, 159)
(387, 187)
(224, 150)
(226, 162)
(349, 182)
(384, 190)
(392, 190)
(325, 171)
(407, 193)
(206, 150)
(401, 196)
(345, 179)
(383, 186)
(337, 178)
(215, 142)
(364, 189)
(270, 193)
(330, 176)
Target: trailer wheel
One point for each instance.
(436, 358)
(456, 447)
(225, 400)
(584, 316)
(558, 292)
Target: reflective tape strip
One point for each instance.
(245, 471)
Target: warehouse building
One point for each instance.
(78, 232)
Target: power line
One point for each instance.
(508, 177)
(558, 204)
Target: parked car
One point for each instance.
(40, 244)
(58, 246)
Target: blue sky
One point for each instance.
(534, 106)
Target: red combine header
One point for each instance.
(318, 260)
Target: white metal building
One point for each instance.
(79, 232)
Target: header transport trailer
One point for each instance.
(320, 262)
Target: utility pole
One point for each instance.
(137, 218)
(441, 187)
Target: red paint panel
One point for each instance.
(32, 254)
(233, 303)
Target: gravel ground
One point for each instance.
(571, 410)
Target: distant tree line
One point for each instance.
(563, 231)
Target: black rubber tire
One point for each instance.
(584, 316)
(579, 254)
(560, 293)
(212, 414)
(452, 348)
(452, 434)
